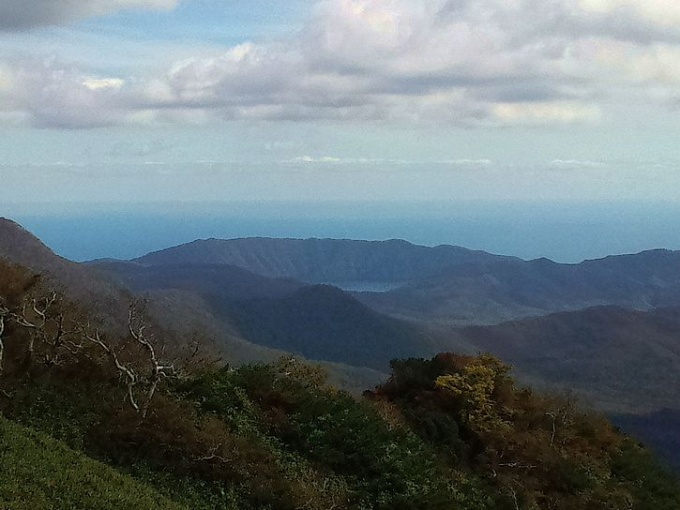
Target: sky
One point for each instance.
(112, 102)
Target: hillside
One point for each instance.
(621, 360)
(324, 323)
(449, 433)
(179, 301)
(40, 473)
(76, 281)
(102, 295)
(318, 322)
(658, 430)
(220, 280)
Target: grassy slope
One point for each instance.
(37, 472)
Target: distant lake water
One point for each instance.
(564, 232)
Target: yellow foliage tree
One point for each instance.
(476, 387)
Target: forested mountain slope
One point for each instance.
(621, 360)
(448, 433)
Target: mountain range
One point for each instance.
(607, 329)
(445, 284)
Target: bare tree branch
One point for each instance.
(515, 501)
(135, 377)
(40, 308)
(517, 465)
(128, 373)
(4, 312)
(212, 455)
(159, 371)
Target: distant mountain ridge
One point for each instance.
(321, 260)
(446, 284)
(496, 291)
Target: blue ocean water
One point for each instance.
(564, 232)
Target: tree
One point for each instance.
(475, 388)
(148, 371)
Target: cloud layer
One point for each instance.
(463, 62)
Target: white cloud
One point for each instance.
(576, 163)
(103, 83)
(469, 162)
(471, 63)
(656, 64)
(5, 77)
(310, 159)
(22, 14)
(544, 113)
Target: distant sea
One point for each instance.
(564, 231)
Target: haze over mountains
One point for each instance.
(446, 284)
(608, 329)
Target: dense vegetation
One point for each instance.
(452, 432)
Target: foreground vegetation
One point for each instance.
(39, 472)
(175, 431)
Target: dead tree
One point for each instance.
(4, 313)
(133, 376)
(562, 416)
(49, 327)
(123, 370)
(159, 371)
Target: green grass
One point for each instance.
(40, 473)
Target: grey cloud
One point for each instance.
(563, 20)
(58, 95)
(27, 14)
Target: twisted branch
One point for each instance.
(127, 372)
(159, 371)
(4, 312)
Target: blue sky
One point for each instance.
(129, 101)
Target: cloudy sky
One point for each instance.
(116, 101)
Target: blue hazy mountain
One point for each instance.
(446, 284)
